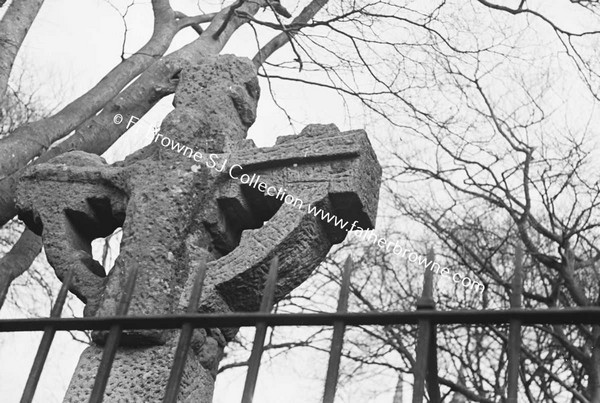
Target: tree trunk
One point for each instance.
(17, 260)
(13, 28)
(30, 140)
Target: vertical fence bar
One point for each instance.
(514, 335)
(185, 340)
(433, 387)
(46, 342)
(261, 330)
(112, 342)
(337, 340)
(426, 354)
(399, 392)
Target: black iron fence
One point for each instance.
(426, 317)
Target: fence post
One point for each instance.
(514, 335)
(46, 342)
(112, 341)
(426, 355)
(185, 339)
(261, 331)
(399, 392)
(337, 340)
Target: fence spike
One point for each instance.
(261, 330)
(425, 368)
(337, 340)
(46, 342)
(185, 340)
(514, 333)
(112, 342)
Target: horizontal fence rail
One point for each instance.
(425, 318)
(249, 319)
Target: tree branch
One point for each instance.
(276, 43)
(521, 10)
(13, 28)
(30, 140)
(184, 21)
(227, 18)
(98, 133)
(18, 260)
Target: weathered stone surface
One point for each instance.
(177, 213)
(142, 376)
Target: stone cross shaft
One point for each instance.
(177, 213)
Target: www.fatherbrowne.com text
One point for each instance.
(235, 172)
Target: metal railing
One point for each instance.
(426, 317)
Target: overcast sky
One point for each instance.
(70, 47)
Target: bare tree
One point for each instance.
(488, 161)
(494, 104)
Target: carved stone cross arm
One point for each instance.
(70, 201)
(321, 168)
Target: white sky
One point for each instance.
(70, 47)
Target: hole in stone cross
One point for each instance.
(106, 250)
(262, 209)
(263, 206)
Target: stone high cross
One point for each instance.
(175, 215)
